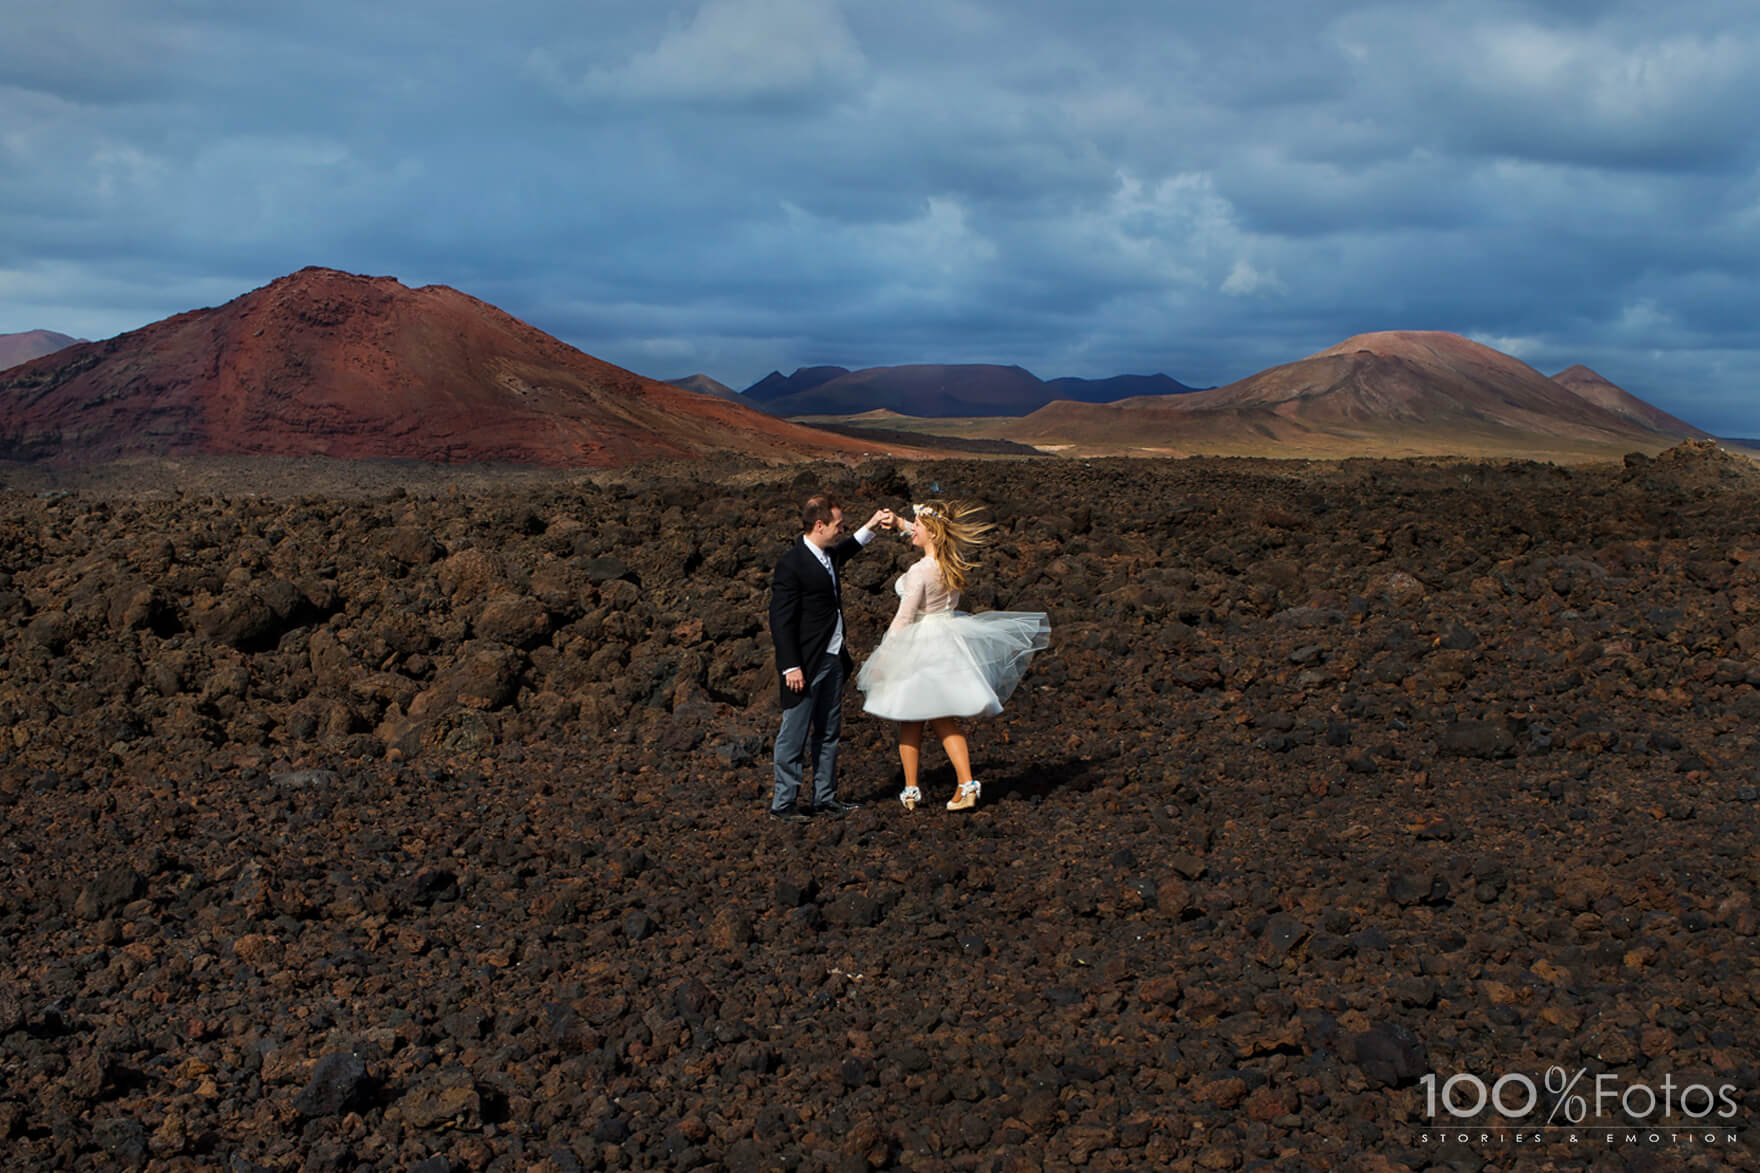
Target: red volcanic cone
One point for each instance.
(332, 364)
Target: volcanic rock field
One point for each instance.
(424, 829)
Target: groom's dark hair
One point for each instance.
(817, 509)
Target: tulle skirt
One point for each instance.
(951, 664)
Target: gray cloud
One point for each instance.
(735, 185)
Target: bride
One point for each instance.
(937, 664)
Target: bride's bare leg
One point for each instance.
(953, 743)
(910, 749)
(910, 752)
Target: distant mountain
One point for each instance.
(939, 391)
(704, 385)
(1395, 391)
(919, 390)
(17, 348)
(333, 364)
(1588, 385)
(776, 385)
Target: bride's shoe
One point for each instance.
(967, 798)
(910, 796)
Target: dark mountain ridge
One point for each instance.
(939, 391)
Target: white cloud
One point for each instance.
(1606, 83)
(1641, 321)
(665, 350)
(125, 171)
(1163, 232)
(1244, 280)
(730, 51)
(928, 255)
(1516, 347)
(941, 240)
(1617, 93)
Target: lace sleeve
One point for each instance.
(916, 590)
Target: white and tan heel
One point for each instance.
(910, 796)
(967, 798)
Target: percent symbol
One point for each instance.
(1560, 1082)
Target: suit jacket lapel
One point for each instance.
(813, 561)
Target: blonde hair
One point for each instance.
(957, 528)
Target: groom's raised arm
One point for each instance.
(853, 544)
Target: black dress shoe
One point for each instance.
(836, 809)
(789, 814)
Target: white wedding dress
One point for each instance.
(939, 662)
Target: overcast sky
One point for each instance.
(733, 186)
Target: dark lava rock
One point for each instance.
(428, 886)
(444, 1099)
(1282, 934)
(1389, 1054)
(122, 1139)
(1458, 638)
(515, 620)
(739, 752)
(854, 910)
(466, 804)
(856, 1072)
(338, 1082)
(12, 1013)
(607, 569)
(108, 892)
(306, 779)
(411, 545)
(1478, 739)
(484, 675)
(1408, 888)
(245, 622)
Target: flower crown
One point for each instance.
(928, 511)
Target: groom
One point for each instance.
(806, 624)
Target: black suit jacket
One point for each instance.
(804, 609)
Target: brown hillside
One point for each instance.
(704, 385)
(17, 348)
(332, 364)
(1404, 392)
(1587, 384)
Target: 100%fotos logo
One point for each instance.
(1515, 1097)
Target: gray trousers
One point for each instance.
(814, 724)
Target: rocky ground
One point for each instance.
(423, 829)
